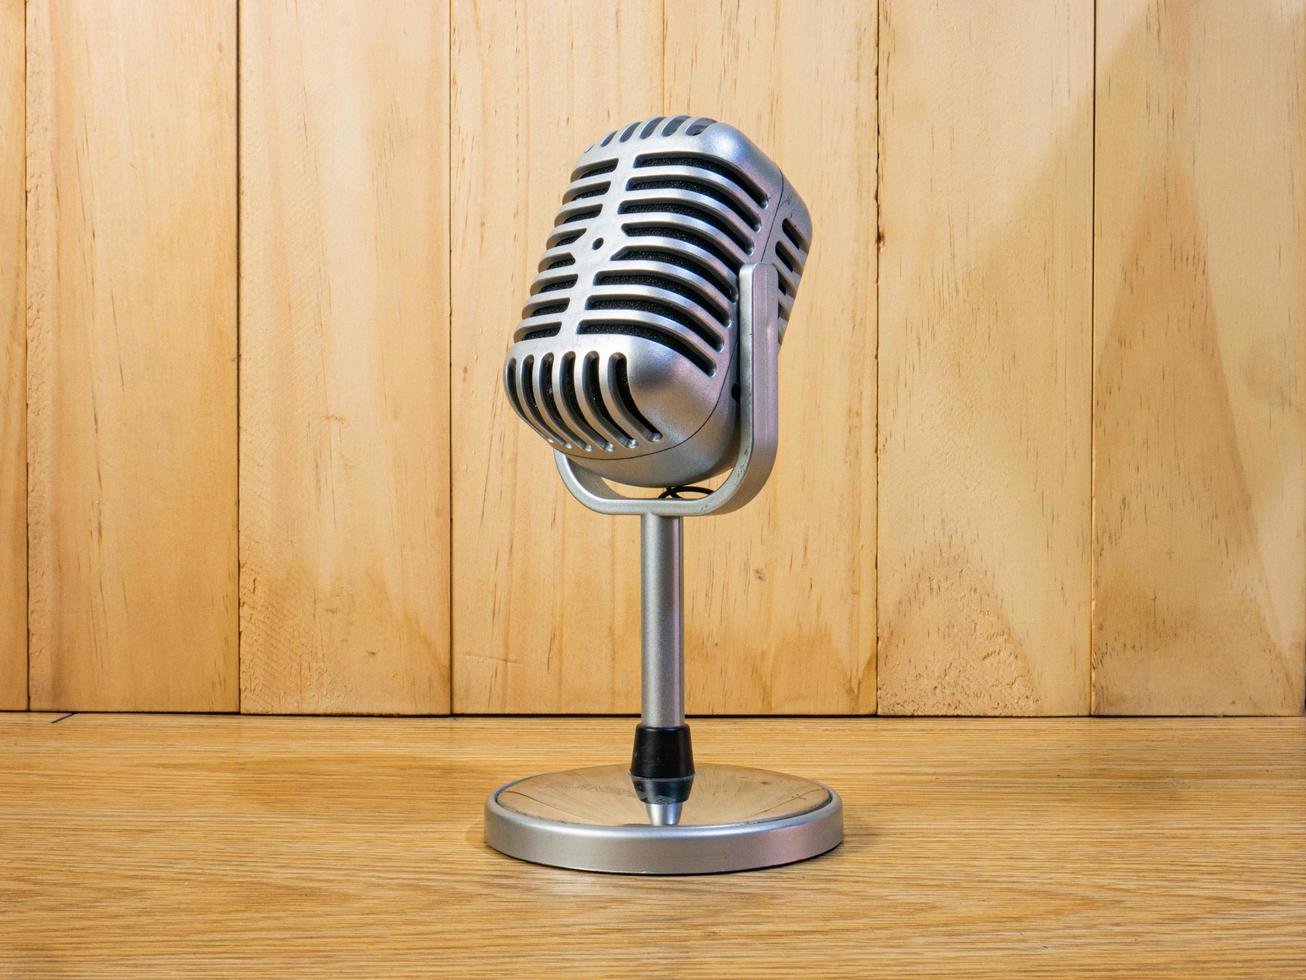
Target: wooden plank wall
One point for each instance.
(344, 358)
(1200, 358)
(131, 371)
(13, 361)
(1043, 429)
(985, 324)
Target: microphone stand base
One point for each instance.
(735, 819)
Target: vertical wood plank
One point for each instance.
(546, 602)
(781, 595)
(1200, 514)
(131, 230)
(344, 487)
(985, 352)
(13, 361)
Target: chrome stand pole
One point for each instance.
(663, 621)
(662, 766)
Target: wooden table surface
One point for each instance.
(241, 845)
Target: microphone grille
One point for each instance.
(640, 281)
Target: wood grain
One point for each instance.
(344, 488)
(131, 234)
(13, 362)
(985, 292)
(781, 595)
(306, 846)
(1199, 416)
(545, 599)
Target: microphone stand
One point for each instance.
(741, 818)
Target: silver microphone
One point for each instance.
(647, 355)
(625, 357)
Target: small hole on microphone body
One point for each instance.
(598, 243)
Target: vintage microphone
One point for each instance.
(647, 356)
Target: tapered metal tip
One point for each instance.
(663, 814)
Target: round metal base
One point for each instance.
(735, 819)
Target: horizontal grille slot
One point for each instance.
(593, 392)
(795, 236)
(540, 332)
(691, 235)
(705, 163)
(570, 215)
(640, 328)
(790, 257)
(671, 256)
(657, 307)
(673, 125)
(564, 237)
(550, 406)
(690, 292)
(703, 187)
(567, 370)
(557, 262)
(594, 190)
(706, 215)
(594, 170)
(619, 384)
(545, 309)
(552, 285)
(784, 255)
(515, 382)
(532, 407)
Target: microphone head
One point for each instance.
(625, 358)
